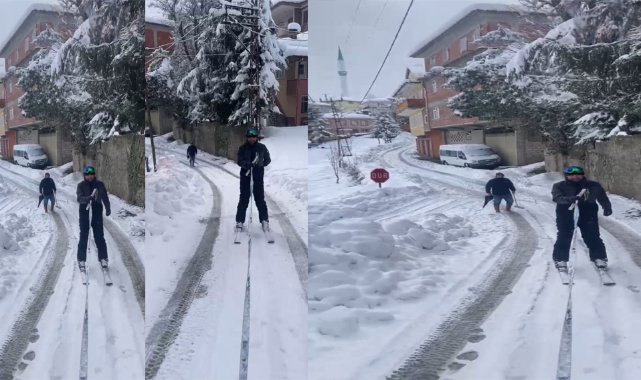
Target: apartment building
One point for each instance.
(17, 51)
(453, 46)
(158, 35)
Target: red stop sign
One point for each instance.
(379, 175)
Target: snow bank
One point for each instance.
(359, 268)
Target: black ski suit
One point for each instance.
(191, 153)
(83, 192)
(246, 155)
(564, 193)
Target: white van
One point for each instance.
(30, 155)
(469, 155)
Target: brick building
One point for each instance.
(17, 51)
(158, 35)
(454, 46)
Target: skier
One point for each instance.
(48, 191)
(84, 193)
(565, 193)
(499, 188)
(252, 155)
(191, 154)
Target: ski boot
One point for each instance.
(561, 265)
(82, 266)
(104, 263)
(239, 227)
(600, 263)
(265, 225)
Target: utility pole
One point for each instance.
(249, 17)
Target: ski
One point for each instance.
(107, 276)
(604, 276)
(565, 276)
(237, 232)
(268, 235)
(84, 277)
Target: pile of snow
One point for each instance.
(18, 229)
(7, 243)
(360, 268)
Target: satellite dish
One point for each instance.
(294, 27)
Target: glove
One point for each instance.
(108, 212)
(245, 165)
(488, 194)
(607, 212)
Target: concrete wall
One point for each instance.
(505, 145)
(49, 143)
(614, 163)
(161, 121)
(119, 163)
(219, 140)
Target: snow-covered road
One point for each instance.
(489, 305)
(208, 337)
(47, 323)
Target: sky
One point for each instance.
(365, 37)
(11, 12)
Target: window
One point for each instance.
(280, 74)
(461, 155)
(304, 104)
(462, 43)
(305, 17)
(17, 56)
(432, 61)
(435, 114)
(434, 86)
(26, 45)
(447, 54)
(477, 33)
(10, 86)
(11, 113)
(301, 70)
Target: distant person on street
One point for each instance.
(252, 157)
(191, 154)
(499, 188)
(48, 191)
(92, 194)
(565, 193)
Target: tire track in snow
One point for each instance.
(296, 245)
(167, 327)
(18, 338)
(452, 334)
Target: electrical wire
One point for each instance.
(390, 49)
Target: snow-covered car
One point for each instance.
(469, 155)
(30, 155)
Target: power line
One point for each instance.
(390, 49)
(351, 25)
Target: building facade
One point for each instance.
(350, 123)
(158, 35)
(454, 46)
(292, 98)
(17, 51)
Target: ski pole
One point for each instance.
(516, 203)
(573, 208)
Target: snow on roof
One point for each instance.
(274, 2)
(467, 11)
(293, 47)
(351, 115)
(32, 8)
(158, 19)
(417, 67)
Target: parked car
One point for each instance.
(469, 155)
(30, 155)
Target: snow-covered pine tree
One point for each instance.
(594, 57)
(387, 127)
(318, 127)
(215, 70)
(105, 59)
(58, 104)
